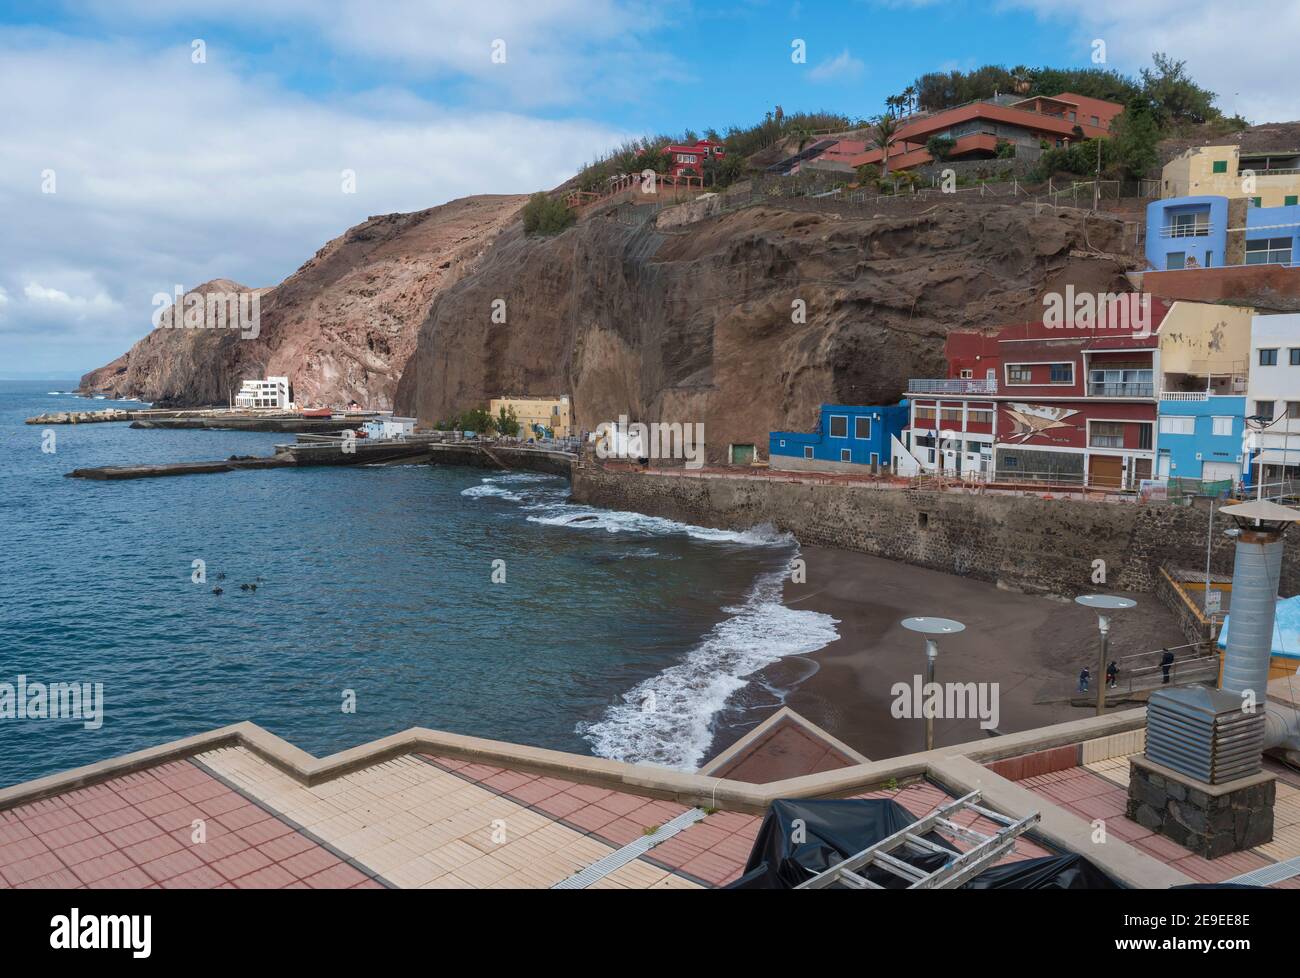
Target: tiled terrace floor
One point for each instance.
(414, 821)
(137, 831)
(1100, 790)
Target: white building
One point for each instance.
(1273, 392)
(273, 392)
(389, 427)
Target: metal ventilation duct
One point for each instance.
(1204, 733)
(1255, 575)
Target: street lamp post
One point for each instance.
(1103, 604)
(931, 627)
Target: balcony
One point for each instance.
(1096, 389)
(1184, 395)
(952, 386)
(1185, 231)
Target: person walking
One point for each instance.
(1112, 674)
(1166, 661)
(1084, 676)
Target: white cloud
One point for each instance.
(843, 67)
(1244, 54)
(555, 51)
(174, 173)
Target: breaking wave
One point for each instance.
(668, 719)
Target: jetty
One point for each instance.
(216, 419)
(317, 450)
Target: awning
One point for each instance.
(1278, 456)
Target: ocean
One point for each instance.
(375, 607)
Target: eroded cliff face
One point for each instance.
(341, 327)
(697, 324)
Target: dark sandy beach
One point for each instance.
(1032, 646)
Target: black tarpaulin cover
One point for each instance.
(802, 837)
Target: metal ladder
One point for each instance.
(987, 850)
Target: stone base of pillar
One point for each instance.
(1211, 820)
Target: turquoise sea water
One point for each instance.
(614, 633)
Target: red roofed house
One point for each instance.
(682, 158)
(978, 127)
(1069, 404)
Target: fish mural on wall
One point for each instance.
(1031, 420)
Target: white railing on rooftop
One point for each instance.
(1184, 395)
(952, 386)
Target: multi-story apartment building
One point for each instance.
(1217, 231)
(1072, 403)
(1273, 398)
(1270, 178)
(273, 392)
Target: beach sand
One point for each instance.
(1032, 646)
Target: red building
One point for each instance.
(683, 158)
(1071, 404)
(978, 127)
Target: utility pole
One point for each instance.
(1096, 184)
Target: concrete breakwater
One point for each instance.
(1025, 543)
(318, 450)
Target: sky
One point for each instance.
(150, 144)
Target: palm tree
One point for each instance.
(884, 129)
(1021, 79)
(909, 98)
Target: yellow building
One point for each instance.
(553, 413)
(1268, 179)
(1204, 349)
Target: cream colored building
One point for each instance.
(1268, 179)
(1205, 348)
(554, 413)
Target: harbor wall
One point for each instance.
(1023, 543)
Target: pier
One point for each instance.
(216, 419)
(317, 450)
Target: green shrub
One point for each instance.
(544, 214)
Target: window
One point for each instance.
(839, 426)
(1096, 121)
(1175, 259)
(1268, 358)
(950, 414)
(1268, 251)
(1120, 381)
(1018, 373)
(967, 374)
(1010, 462)
(925, 414)
(980, 416)
(1257, 201)
(1264, 409)
(1220, 166)
(846, 455)
(1106, 434)
(783, 443)
(1222, 425)
(1144, 436)
(1177, 425)
(862, 428)
(1292, 410)
(1062, 373)
(1290, 200)
(807, 451)
(1294, 354)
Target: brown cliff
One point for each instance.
(695, 324)
(341, 327)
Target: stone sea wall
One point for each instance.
(1028, 543)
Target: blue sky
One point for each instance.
(171, 171)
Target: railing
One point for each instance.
(1120, 390)
(1185, 231)
(952, 386)
(1184, 395)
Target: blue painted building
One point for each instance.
(845, 434)
(1201, 438)
(1185, 232)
